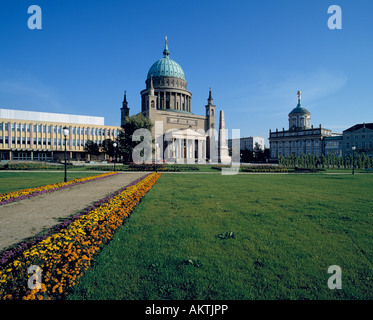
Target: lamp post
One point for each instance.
(156, 148)
(65, 132)
(115, 153)
(353, 159)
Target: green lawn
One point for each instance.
(13, 181)
(286, 231)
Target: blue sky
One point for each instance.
(255, 55)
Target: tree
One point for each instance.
(92, 148)
(323, 161)
(282, 161)
(132, 123)
(107, 147)
(246, 155)
(258, 152)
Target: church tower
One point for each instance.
(150, 102)
(124, 111)
(150, 105)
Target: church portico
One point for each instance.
(184, 146)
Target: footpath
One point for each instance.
(26, 218)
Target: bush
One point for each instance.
(161, 167)
(31, 166)
(259, 168)
(145, 167)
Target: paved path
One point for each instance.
(26, 218)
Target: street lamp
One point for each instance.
(353, 159)
(65, 132)
(156, 148)
(115, 153)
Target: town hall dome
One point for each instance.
(166, 67)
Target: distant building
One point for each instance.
(248, 143)
(301, 138)
(361, 136)
(29, 135)
(333, 145)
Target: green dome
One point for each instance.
(166, 67)
(299, 109)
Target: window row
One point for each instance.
(22, 127)
(362, 145)
(363, 136)
(46, 141)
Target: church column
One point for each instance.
(192, 148)
(200, 156)
(176, 147)
(173, 152)
(179, 150)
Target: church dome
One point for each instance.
(166, 67)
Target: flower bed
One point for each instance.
(32, 192)
(63, 256)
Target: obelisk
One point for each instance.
(223, 154)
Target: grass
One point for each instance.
(13, 181)
(241, 237)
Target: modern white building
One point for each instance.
(31, 135)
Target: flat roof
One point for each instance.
(50, 117)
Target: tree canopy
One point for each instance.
(132, 123)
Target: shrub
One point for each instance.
(32, 166)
